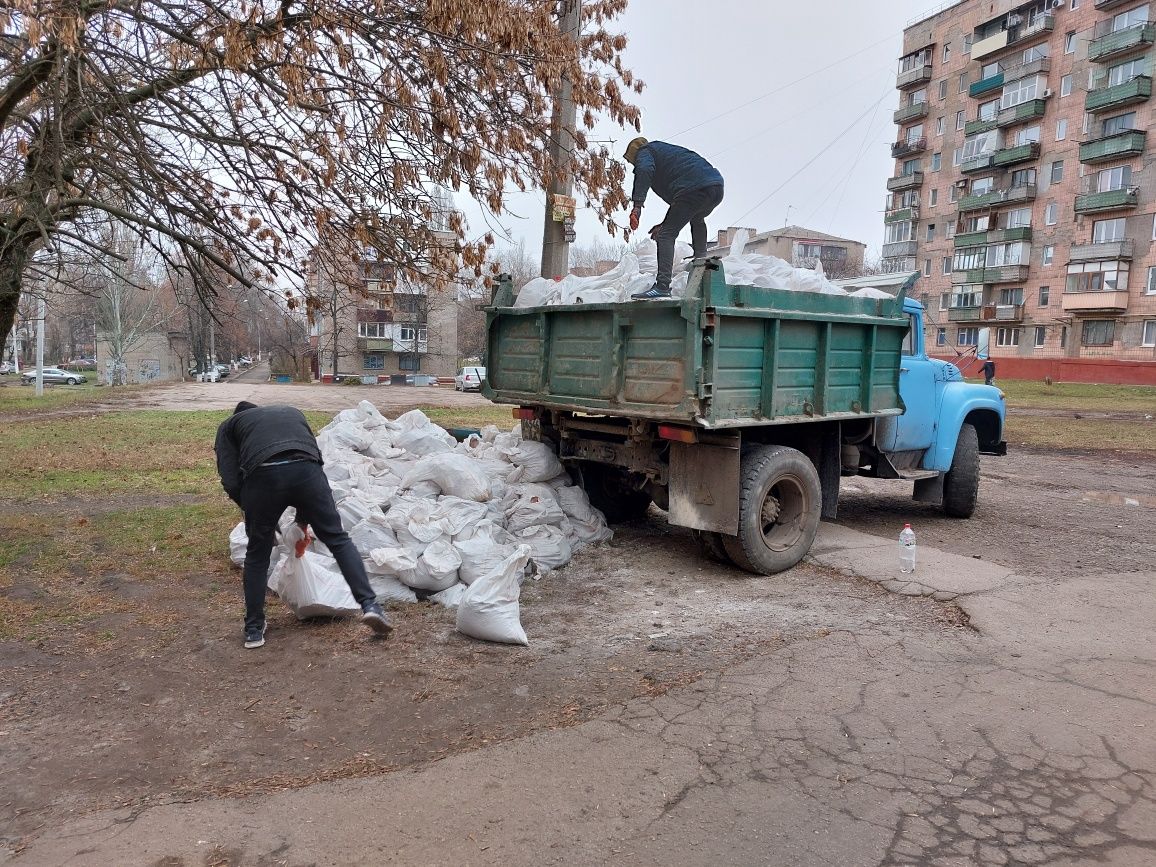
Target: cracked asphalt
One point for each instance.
(1027, 739)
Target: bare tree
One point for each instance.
(125, 314)
(589, 257)
(230, 137)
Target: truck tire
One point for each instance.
(961, 484)
(712, 546)
(780, 501)
(612, 494)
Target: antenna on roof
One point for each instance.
(787, 219)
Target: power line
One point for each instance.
(815, 158)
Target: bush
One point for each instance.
(351, 380)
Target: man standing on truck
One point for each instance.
(689, 184)
(268, 460)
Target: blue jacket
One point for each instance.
(670, 171)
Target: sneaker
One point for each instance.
(374, 617)
(255, 636)
(654, 293)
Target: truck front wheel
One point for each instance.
(961, 484)
(780, 501)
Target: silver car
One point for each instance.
(469, 379)
(54, 374)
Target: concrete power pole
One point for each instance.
(41, 312)
(556, 234)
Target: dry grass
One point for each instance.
(1083, 434)
(1080, 396)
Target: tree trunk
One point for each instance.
(12, 264)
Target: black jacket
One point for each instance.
(670, 171)
(247, 439)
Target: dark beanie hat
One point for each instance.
(244, 405)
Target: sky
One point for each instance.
(807, 93)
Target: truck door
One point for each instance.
(915, 429)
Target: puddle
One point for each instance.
(1112, 498)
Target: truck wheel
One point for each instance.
(780, 500)
(612, 494)
(712, 546)
(961, 484)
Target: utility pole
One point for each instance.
(41, 312)
(556, 234)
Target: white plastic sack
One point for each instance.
(312, 585)
(389, 589)
(436, 569)
(587, 523)
(535, 462)
(450, 597)
(454, 474)
(480, 556)
(549, 546)
(238, 543)
(489, 608)
(533, 508)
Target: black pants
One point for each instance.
(693, 208)
(988, 372)
(265, 495)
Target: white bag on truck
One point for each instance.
(489, 608)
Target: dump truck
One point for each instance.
(738, 409)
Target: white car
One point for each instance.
(54, 374)
(469, 379)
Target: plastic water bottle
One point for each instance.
(907, 550)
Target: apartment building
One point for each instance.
(1025, 188)
(801, 247)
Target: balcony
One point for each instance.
(1110, 4)
(996, 274)
(995, 236)
(908, 148)
(996, 198)
(1104, 251)
(1016, 71)
(975, 127)
(1012, 36)
(1121, 42)
(1019, 154)
(1112, 200)
(1133, 92)
(1025, 111)
(1129, 143)
(1003, 312)
(1086, 302)
(911, 181)
(902, 215)
(899, 248)
(977, 164)
(375, 344)
(372, 314)
(986, 85)
(908, 113)
(912, 77)
(964, 314)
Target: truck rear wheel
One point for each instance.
(780, 501)
(961, 484)
(712, 546)
(611, 492)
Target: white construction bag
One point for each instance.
(312, 585)
(454, 474)
(489, 608)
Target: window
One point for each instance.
(940, 125)
(926, 267)
(989, 110)
(1070, 43)
(946, 264)
(943, 90)
(373, 329)
(1098, 277)
(898, 232)
(1041, 336)
(982, 186)
(960, 119)
(1126, 71)
(1045, 295)
(1011, 297)
(1109, 180)
(967, 337)
(1066, 85)
(1027, 135)
(1061, 129)
(1064, 337)
(1098, 332)
(1015, 253)
(1151, 290)
(406, 334)
(962, 82)
(969, 259)
(1057, 171)
(967, 43)
(936, 162)
(976, 224)
(919, 97)
(1107, 231)
(941, 336)
(910, 167)
(915, 61)
(1148, 338)
(949, 230)
(914, 133)
(931, 231)
(1019, 92)
(374, 361)
(1075, 4)
(1051, 214)
(1049, 254)
(953, 196)
(966, 296)
(1019, 218)
(981, 144)
(934, 198)
(1023, 178)
(1007, 336)
(1120, 123)
(1132, 18)
(947, 52)
(944, 301)
(956, 158)
(409, 361)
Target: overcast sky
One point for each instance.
(701, 59)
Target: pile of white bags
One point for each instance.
(461, 522)
(637, 269)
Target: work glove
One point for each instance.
(654, 232)
(635, 216)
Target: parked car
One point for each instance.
(223, 370)
(54, 374)
(82, 362)
(469, 379)
(7, 367)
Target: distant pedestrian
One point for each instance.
(988, 372)
(689, 184)
(268, 460)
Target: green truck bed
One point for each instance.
(723, 356)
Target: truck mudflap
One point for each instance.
(999, 449)
(704, 481)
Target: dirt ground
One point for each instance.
(163, 705)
